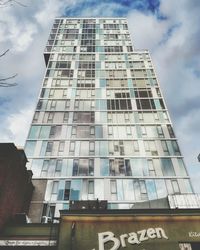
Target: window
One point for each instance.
(83, 167)
(110, 130)
(44, 132)
(161, 188)
(136, 146)
(73, 131)
(143, 103)
(92, 130)
(117, 167)
(91, 167)
(50, 117)
(58, 166)
(151, 189)
(83, 117)
(118, 104)
(53, 105)
(30, 148)
(90, 187)
(45, 165)
(75, 167)
(66, 117)
(34, 132)
(165, 147)
(104, 167)
(113, 187)
(55, 187)
(91, 147)
(151, 167)
(170, 130)
(159, 131)
(175, 148)
(113, 48)
(39, 105)
(167, 167)
(72, 148)
(55, 131)
(67, 190)
(128, 168)
(75, 189)
(49, 148)
(67, 104)
(175, 186)
(51, 93)
(129, 48)
(36, 116)
(84, 148)
(142, 187)
(143, 130)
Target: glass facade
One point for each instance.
(101, 129)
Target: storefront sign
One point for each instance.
(129, 238)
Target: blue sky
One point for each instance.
(118, 8)
(169, 29)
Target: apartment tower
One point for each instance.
(101, 129)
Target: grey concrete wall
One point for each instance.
(35, 211)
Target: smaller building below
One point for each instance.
(139, 229)
(15, 182)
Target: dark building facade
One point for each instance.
(15, 182)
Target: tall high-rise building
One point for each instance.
(101, 129)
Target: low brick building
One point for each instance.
(15, 182)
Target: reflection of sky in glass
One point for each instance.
(34, 132)
(61, 188)
(36, 167)
(161, 188)
(151, 189)
(98, 132)
(30, 148)
(52, 164)
(99, 189)
(181, 167)
(167, 167)
(128, 190)
(103, 148)
(188, 188)
(44, 133)
(75, 189)
(104, 167)
(120, 195)
(43, 148)
(136, 166)
(67, 168)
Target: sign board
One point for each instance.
(115, 232)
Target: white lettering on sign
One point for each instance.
(194, 234)
(131, 238)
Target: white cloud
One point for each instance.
(175, 54)
(17, 35)
(48, 11)
(147, 32)
(17, 126)
(24, 37)
(51, 9)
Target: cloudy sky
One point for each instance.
(169, 29)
